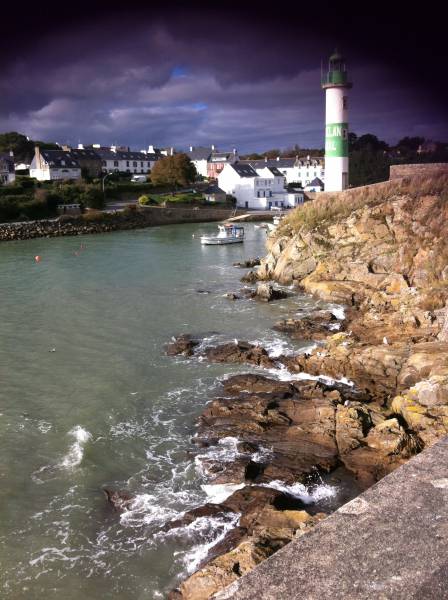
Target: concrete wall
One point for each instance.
(389, 543)
(399, 171)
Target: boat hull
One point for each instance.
(210, 241)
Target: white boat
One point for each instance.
(227, 234)
(275, 223)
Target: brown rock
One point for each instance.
(240, 352)
(120, 500)
(266, 292)
(182, 344)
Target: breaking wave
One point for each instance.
(74, 456)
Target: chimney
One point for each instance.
(213, 147)
(265, 159)
(171, 151)
(234, 151)
(278, 157)
(80, 146)
(37, 156)
(191, 148)
(11, 153)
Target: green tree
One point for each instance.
(174, 171)
(22, 147)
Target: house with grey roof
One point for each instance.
(88, 160)
(7, 168)
(213, 193)
(258, 189)
(296, 170)
(218, 160)
(317, 185)
(209, 161)
(199, 156)
(120, 159)
(51, 165)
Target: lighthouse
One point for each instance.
(336, 85)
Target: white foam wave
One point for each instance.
(218, 492)
(145, 509)
(76, 451)
(338, 312)
(276, 347)
(282, 374)
(213, 530)
(226, 450)
(308, 495)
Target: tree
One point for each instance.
(410, 143)
(22, 147)
(174, 171)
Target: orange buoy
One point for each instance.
(37, 258)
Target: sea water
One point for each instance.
(88, 399)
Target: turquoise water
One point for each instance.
(88, 399)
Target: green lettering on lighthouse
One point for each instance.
(336, 139)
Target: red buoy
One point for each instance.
(37, 258)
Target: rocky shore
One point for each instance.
(371, 394)
(107, 222)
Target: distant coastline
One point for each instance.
(107, 222)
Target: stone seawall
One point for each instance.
(106, 222)
(388, 543)
(399, 171)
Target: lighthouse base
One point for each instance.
(336, 173)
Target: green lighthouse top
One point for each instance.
(337, 75)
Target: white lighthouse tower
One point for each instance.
(336, 85)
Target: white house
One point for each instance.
(317, 185)
(200, 156)
(49, 165)
(296, 170)
(7, 169)
(119, 159)
(259, 189)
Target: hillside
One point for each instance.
(383, 252)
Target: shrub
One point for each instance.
(92, 197)
(93, 215)
(146, 200)
(329, 207)
(25, 182)
(11, 190)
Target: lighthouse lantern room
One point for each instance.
(336, 85)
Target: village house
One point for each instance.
(50, 165)
(258, 189)
(296, 170)
(213, 193)
(317, 185)
(200, 156)
(119, 159)
(88, 160)
(7, 169)
(218, 160)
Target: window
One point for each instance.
(115, 163)
(134, 164)
(127, 163)
(141, 164)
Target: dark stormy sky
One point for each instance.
(233, 74)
